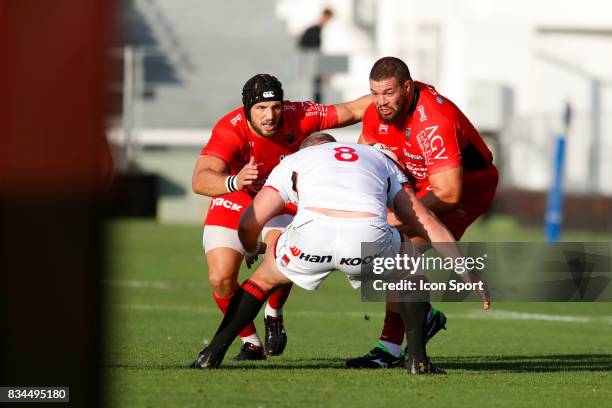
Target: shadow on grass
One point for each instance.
(269, 364)
(529, 363)
(532, 364)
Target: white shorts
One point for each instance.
(314, 245)
(215, 236)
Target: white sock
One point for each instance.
(270, 311)
(253, 339)
(392, 348)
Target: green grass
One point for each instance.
(160, 312)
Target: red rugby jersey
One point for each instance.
(233, 142)
(435, 136)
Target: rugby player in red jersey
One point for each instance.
(245, 145)
(448, 162)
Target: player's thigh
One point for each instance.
(224, 254)
(267, 274)
(223, 267)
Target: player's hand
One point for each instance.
(482, 288)
(247, 175)
(484, 295)
(251, 258)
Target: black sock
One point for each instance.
(414, 315)
(246, 303)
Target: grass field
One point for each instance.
(517, 354)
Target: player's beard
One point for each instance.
(259, 128)
(397, 114)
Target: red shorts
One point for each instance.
(476, 197)
(225, 210)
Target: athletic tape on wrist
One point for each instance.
(231, 184)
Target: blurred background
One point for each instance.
(525, 73)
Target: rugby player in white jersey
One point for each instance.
(342, 192)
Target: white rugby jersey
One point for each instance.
(339, 176)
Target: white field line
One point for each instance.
(472, 315)
(138, 284)
(511, 315)
(147, 284)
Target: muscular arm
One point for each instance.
(446, 190)
(413, 214)
(209, 176)
(417, 220)
(210, 173)
(352, 112)
(266, 205)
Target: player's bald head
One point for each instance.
(317, 138)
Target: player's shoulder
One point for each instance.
(234, 120)
(433, 105)
(370, 114)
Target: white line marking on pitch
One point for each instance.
(510, 315)
(474, 314)
(146, 284)
(138, 284)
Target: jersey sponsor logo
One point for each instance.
(358, 260)
(314, 109)
(413, 156)
(422, 141)
(432, 145)
(268, 94)
(437, 145)
(221, 202)
(288, 107)
(236, 119)
(315, 258)
(295, 251)
(419, 172)
(383, 129)
(285, 260)
(422, 115)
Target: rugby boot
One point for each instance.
(276, 337)
(376, 358)
(206, 359)
(250, 351)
